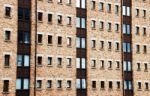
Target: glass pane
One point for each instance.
(78, 63)
(26, 60)
(26, 84)
(83, 63)
(19, 60)
(83, 42)
(18, 84)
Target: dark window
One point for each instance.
(23, 14)
(59, 18)
(7, 11)
(146, 66)
(38, 83)
(93, 84)
(92, 4)
(7, 60)
(110, 85)
(50, 39)
(7, 35)
(49, 60)
(102, 84)
(138, 66)
(145, 49)
(40, 38)
(59, 40)
(6, 86)
(49, 17)
(59, 61)
(23, 37)
(40, 16)
(68, 84)
(109, 45)
(49, 84)
(68, 20)
(59, 84)
(118, 85)
(139, 85)
(39, 61)
(146, 86)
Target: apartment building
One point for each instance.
(74, 48)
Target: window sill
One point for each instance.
(117, 68)
(102, 89)
(93, 28)
(109, 49)
(93, 48)
(102, 49)
(69, 66)
(110, 89)
(59, 89)
(69, 25)
(146, 89)
(40, 21)
(49, 1)
(102, 68)
(109, 68)
(93, 67)
(49, 89)
(118, 89)
(59, 66)
(137, 52)
(59, 45)
(8, 17)
(49, 65)
(139, 89)
(69, 4)
(68, 88)
(101, 29)
(7, 41)
(101, 10)
(5, 92)
(60, 3)
(69, 46)
(39, 89)
(117, 50)
(49, 44)
(60, 24)
(50, 23)
(39, 65)
(145, 70)
(40, 43)
(109, 30)
(94, 89)
(138, 69)
(7, 66)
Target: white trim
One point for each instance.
(40, 33)
(7, 78)
(7, 53)
(8, 5)
(39, 55)
(39, 78)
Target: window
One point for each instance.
(59, 42)
(40, 37)
(110, 64)
(6, 86)
(108, 7)
(144, 13)
(126, 47)
(145, 49)
(69, 2)
(116, 27)
(118, 85)
(80, 63)
(69, 61)
(116, 9)
(69, 41)
(69, 20)
(93, 63)
(59, 19)
(39, 60)
(49, 17)
(93, 43)
(127, 65)
(80, 4)
(126, 29)
(146, 86)
(101, 25)
(145, 67)
(59, 61)
(24, 37)
(7, 60)
(49, 83)
(59, 83)
(117, 64)
(39, 84)
(22, 84)
(110, 85)
(24, 14)
(59, 1)
(128, 85)
(68, 83)
(80, 22)
(81, 84)
(109, 45)
(92, 4)
(50, 39)
(93, 24)
(137, 30)
(23, 60)
(116, 46)
(101, 44)
(137, 48)
(109, 26)
(93, 84)
(126, 11)
(137, 12)
(102, 84)
(101, 6)
(138, 66)
(49, 60)
(80, 42)
(139, 85)
(7, 35)
(40, 16)
(102, 64)
(8, 11)
(144, 31)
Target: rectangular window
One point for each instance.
(69, 61)
(101, 6)
(69, 41)
(59, 19)
(80, 4)
(145, 67)
(128, 85)
(69, 20)
(93, 23)
(40, 38)
(7, 35)
(40, 16)
(101, 44)
(146, 85)
(93, 84)
(109, 45)
(80, 42)
(49, 17)
(126, 29)
(127, 65)
(93, 44)
(59, 84)
(116, 46)
(6, 86)
(39, 84)
(118, 85)
(50, 39)
(22, 84)
(110, 64)
(49, 83)
(101, 25)
(137, 48)
(8, 11)
(137, 12)
(137, 29)
(116, 27)
(139, 85)
(80, 63)
(144, 49)
(93, 63)
(108, 7)
(80, 22)
(59, 42)
(23, 60)
(39, 60)
(49, 60)
(7, 60)
(93, 5)
(110, 85)
(68, 83)
(102, 84)
(126, 47)
(59, 61)
(24, 37)
(126, 11)
(116, 9)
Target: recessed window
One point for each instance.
(7, 35)
(93, 23)
(80, 42)
(59, 1)
(93, 4)
(110, 64)
(101, 44)
(69, 19)
(7, 60)
(127, 66)
(145, 67)
(69, 41)
(8, 11)
(50, 39)
(146, 85)
(93, 84)
(59, 42)
(59, 19)
(39, 60)
(102, 64)
(137, 12)
(116, 9)
(93, 45)
(101, 6)
(109, 45)
(59, 83)
(144, 13)
(108, 7)
(126, 11)
(23, 60)
(144, 31)
(49, 60)
(50, 17)
(40, 16)
(117, 64)
(138, 66)
(59, 61)
(6, 86)
(126, 47)
(139, 85)
(69, 2)
(49, 83)
(118, 85)
(116, 27)
(137, 48)
(110, 84)
(137, 30)
(39, 84)
(145, 49)
(81, 4)
(22, 84)
(24, 37)
(81, 22)
(69, 61)
(80, 63)
(93, 63)
(109, 26)
(68, 83)
(102, 83)
(126, 29)
(40, 38)
(116, 46)
(101, 25)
